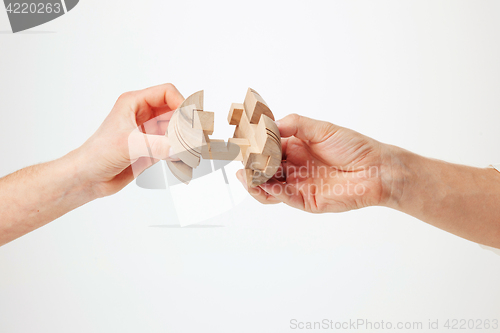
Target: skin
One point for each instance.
(129, 140)
(328, 168)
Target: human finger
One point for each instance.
(256, 192)
(305, 128)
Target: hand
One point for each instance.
(131, 139)
(326, 168)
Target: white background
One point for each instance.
(424, 75)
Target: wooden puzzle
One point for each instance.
(256, 140)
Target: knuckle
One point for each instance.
(123, 96)
(329, 128)
(294, 117)
(126, 97)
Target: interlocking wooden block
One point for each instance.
(255, 106)
(235, 113)
(204, 121)
(256, 140)
(243, 145)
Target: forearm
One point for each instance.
(34, 196)
(459, 199)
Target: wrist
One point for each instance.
(397, 175)
(81, 180)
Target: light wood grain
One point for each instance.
(256, 140)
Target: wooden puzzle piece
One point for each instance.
(187, 145)
(256, 140)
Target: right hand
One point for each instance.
(130, 139)
(326, 168)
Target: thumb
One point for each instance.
(147, 145)
(305, 128)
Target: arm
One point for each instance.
(130, 140)
(327, 168)
(36, 195)
(459, 199)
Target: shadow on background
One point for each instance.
(173, 226)
(8, 32)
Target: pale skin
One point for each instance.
(459, 199)
(326, 168)
(102, 166)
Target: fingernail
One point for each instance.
(277, 122)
